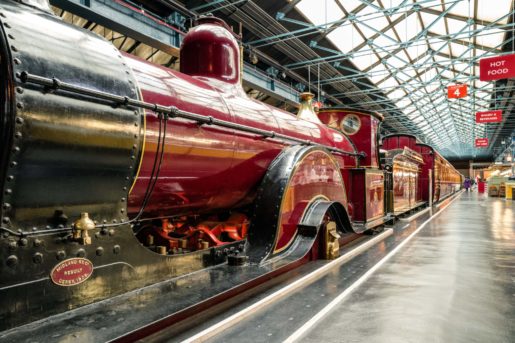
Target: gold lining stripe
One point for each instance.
(287, 245)
(144, 140)
(294, 170)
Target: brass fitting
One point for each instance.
(183, 243)
(81, 228)
(306, 110)
(330, 244)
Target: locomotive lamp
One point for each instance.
(81, 228)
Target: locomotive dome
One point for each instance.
(210, 49)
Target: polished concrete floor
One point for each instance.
(453, 282)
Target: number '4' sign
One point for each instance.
(456, 91)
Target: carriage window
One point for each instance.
(350, 124)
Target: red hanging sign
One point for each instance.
(489, 117)
(496, 68)
(481, 142)
(456, 91)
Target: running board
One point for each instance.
(360, 227)
(415, 216)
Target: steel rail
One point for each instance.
(271, 299)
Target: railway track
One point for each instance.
(227, 303)
(288, 311)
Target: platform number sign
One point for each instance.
(457, 91)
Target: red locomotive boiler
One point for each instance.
(117, 173)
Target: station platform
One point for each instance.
(449, 277)
(453, 282)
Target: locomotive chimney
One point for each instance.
(211, 50)
(361, 127)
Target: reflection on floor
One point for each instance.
(453, 282)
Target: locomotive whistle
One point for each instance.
(81, 228)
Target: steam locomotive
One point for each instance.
(117, 173)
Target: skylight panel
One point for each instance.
(423, 62)
(476, 71)
(421, 94)
(388, 83)
(431, 87)
(447, 120)
(413, 114)
(440, 46)
(383, 45)
(345, 38)
(350, 5)
(367, 32)
(429, 75)
(408, 28)
(418, 119)
(481, 84)
(483, 95)
(490, 37)
(376, 78)
(448, 74)
(410, 71)
(403, 102)
(482, 53)
(462, 67)
(320, 11)
(416, 50)
(488, 87)
(486, 10)
(433, 23)
(441, 60)
(460, 50)
(397, 95)
(442, 106)
(456, 26)
(462, 8)
(397, 61)
(364, 61)
(379, 70)
(394, 12)
(402, 76)
(375, 20)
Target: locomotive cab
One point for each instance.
(366, 191)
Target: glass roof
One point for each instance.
(412, 50)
